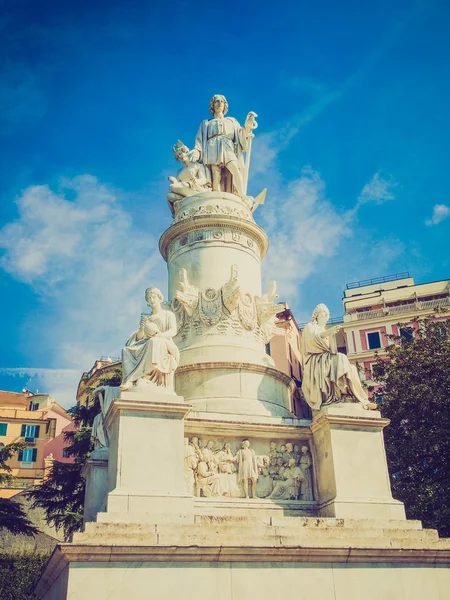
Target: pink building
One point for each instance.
(377, 308)
(39, 422)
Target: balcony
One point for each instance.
(414, 307)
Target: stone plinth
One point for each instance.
(350, 464)
(146, 457)
(95, 472)
(248, 558)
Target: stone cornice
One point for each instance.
(203, 222)
(170, 409)
(349, 422)
(67, 553)
(244, 428)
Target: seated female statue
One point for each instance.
(150, 355)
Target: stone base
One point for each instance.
(146, 457)
(350, 464)
(246, 559)
(95, 472)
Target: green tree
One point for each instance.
(12, 515)
(19, 574)
(415, 374)
(61, 495)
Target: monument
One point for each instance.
(203, 481)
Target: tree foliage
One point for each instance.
(19, 574)
(61, 495)
(12, 515)
(416, 398)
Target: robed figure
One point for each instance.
(327, 374)
(150, 355)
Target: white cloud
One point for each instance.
(303, 227)
(89, 263)
(440, 212)
(378, 190)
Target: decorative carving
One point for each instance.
(214, 209)
(210, 306)
(227, 308)
(231, 290)
(186, 299)
(213, 469)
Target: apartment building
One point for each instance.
(106, 368)
(39, 422)
(377, 308)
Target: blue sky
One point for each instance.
(354, 121)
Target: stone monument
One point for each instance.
(203, 482)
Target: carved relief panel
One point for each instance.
(276, 470)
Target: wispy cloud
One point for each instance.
(59, 383)
(303, 227)
(378, 190)
(79, 249)
(440, 212)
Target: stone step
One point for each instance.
(258, 534)
(313, 522)
(258, 539)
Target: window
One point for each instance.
(3, 428)
(34, 406)
(407, 333)
(51, 428)
(66, 453)
(268, 349)
(28, 455)
(30, 431)
(374, 340)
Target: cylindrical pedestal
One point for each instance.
(213, 251)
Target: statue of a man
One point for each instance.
(247, 469)
(219, 146)
(327, 374)
(150, 355)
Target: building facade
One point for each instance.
(103, 372)
(378, 308)
(39, 422)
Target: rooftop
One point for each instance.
(375, 280)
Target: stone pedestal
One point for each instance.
(95, 472)
(146, 458)
(350, 462)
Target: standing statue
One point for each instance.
(327, 374)
(150, 355)
(191, 179)
(305, 466)
(247, 469)
(219, 146)
(106, 395)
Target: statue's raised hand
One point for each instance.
(250, 121)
